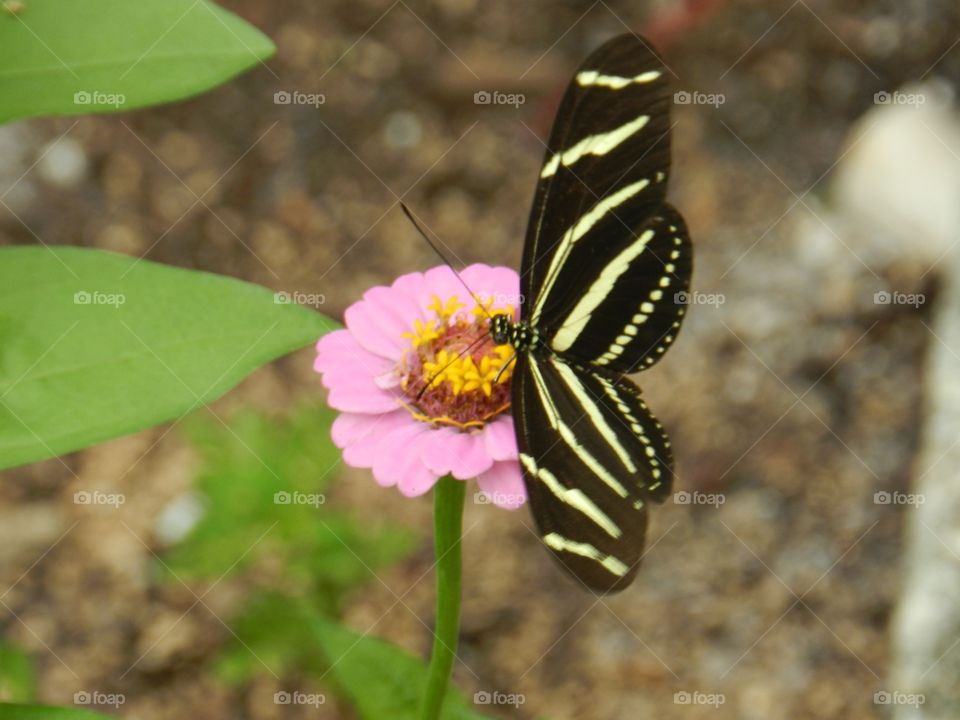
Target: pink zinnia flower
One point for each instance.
(426, 329)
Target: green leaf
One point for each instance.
(46, 712)
(95, 345)
(82, 56)
(382, 680)
(17, 675)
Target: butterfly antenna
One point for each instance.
(436, 249)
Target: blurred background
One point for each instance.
(809, 566)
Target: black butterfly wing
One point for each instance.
(593, 457)
(604, 173)
(626, 307)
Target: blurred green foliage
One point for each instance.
(18, 682)
(264, 481)
(16, 711)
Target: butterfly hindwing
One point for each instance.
(605, 169)
(592, 457)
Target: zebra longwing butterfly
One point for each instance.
(606, 265)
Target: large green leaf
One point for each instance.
(95, 345)
(82, 56)
(382, 680)
(45, 712)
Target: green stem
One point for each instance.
(447, 525)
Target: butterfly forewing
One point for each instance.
(622, 314)
(604, 171)
(592, 456)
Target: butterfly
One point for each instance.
(604, 278)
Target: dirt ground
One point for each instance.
(795, 400)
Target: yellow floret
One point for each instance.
(423, 332)
(462, 374)
(446, 310)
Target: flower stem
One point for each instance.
(448, 498)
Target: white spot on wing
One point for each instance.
(577, 319)
(589, 404)
(566, 434)
(574, 497)
(562, 544)
(614, 82)
(580, 228)
(599, 144)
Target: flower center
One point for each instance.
(454, 373)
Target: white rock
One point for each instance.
(900, 176)
(178, 518)
(402, 130)
(63, 162)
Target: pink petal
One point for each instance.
(450, 452)
(350, 427)
(501, 439)
(398, 458)
(339, 350)
(359, 394)
(412, 286)
(416, 481)
(500, 284)
(350, 374)
(503, 485)
(375, 329)
(443, 283)
(359, 435)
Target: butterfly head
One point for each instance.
(501, 326)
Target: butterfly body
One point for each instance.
(606, 265)
(520, 335)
